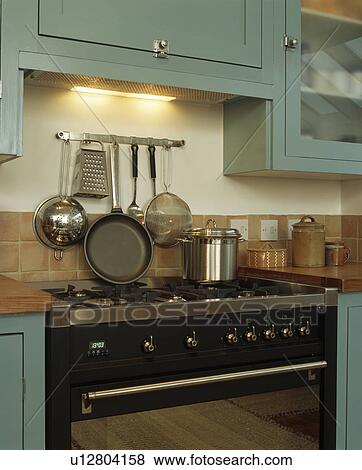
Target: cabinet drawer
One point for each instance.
(212, 30)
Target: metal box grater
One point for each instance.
(90, 174)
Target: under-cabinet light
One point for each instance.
(141, 96)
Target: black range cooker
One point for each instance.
(171, 364)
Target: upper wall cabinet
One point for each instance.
(314, 123)
(215, 37)
(227, 32)
(208, 45)
(324, 80)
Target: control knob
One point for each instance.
(191, 341)
(232, 337)
(250, 335)
(148, 345)
(287, 332)
(269, 333)
(304, 330)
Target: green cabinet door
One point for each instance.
(11, 391)
(354, 380)
(349, 374)
(214, 30)
(323, 85)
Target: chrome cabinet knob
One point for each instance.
(250, 335)
(304, 330)
(191, 341)
(269, 334)
(290, 42)
(232, 337)
(148, 345)
(287, 332)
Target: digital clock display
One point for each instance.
(98, 344)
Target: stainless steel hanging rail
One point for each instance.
(120, 139)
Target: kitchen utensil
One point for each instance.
(117, 247)
(267, 257)
(336, 253)
(60, 222)
(152, 152)
(90, 172)
(308, 243)
(210, 254)
(134, 209)
(167, 215)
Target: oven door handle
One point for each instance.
(88, 397)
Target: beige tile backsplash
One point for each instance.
(24, 258)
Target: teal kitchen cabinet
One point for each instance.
(22, 390)
(313, 124)
(212, 45)
(349, 370)
(11, 96)
(210, 37)
(11, 393)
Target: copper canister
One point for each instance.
(308, 243)
(336, 253)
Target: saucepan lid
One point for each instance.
(211, 230)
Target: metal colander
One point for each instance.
(90, 172)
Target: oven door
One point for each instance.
(274, 407)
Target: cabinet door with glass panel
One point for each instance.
(324, 80)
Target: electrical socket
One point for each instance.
(242, 225)
(269, 230)
(291, 222)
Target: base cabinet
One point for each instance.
(22, 389)
(11, 392)
(349, 378)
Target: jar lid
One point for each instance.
(308, 223)
(211, 230)
(334, 243)
(267, 247)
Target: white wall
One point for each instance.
(197, 169)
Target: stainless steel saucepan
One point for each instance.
(210, 254)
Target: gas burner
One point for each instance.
(79, 294)
(102, 302)
(176, 298)
(71, 294)
(246, 293)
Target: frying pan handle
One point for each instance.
(152, 151)
(116, 200)
(58, 254)
(134, 149)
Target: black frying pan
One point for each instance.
(117, 247)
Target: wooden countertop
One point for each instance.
(17, 297)
(347, 278)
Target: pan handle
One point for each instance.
(58, 254)
(116, 200)
(152, 152)
(184, 240)
(134, 149)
